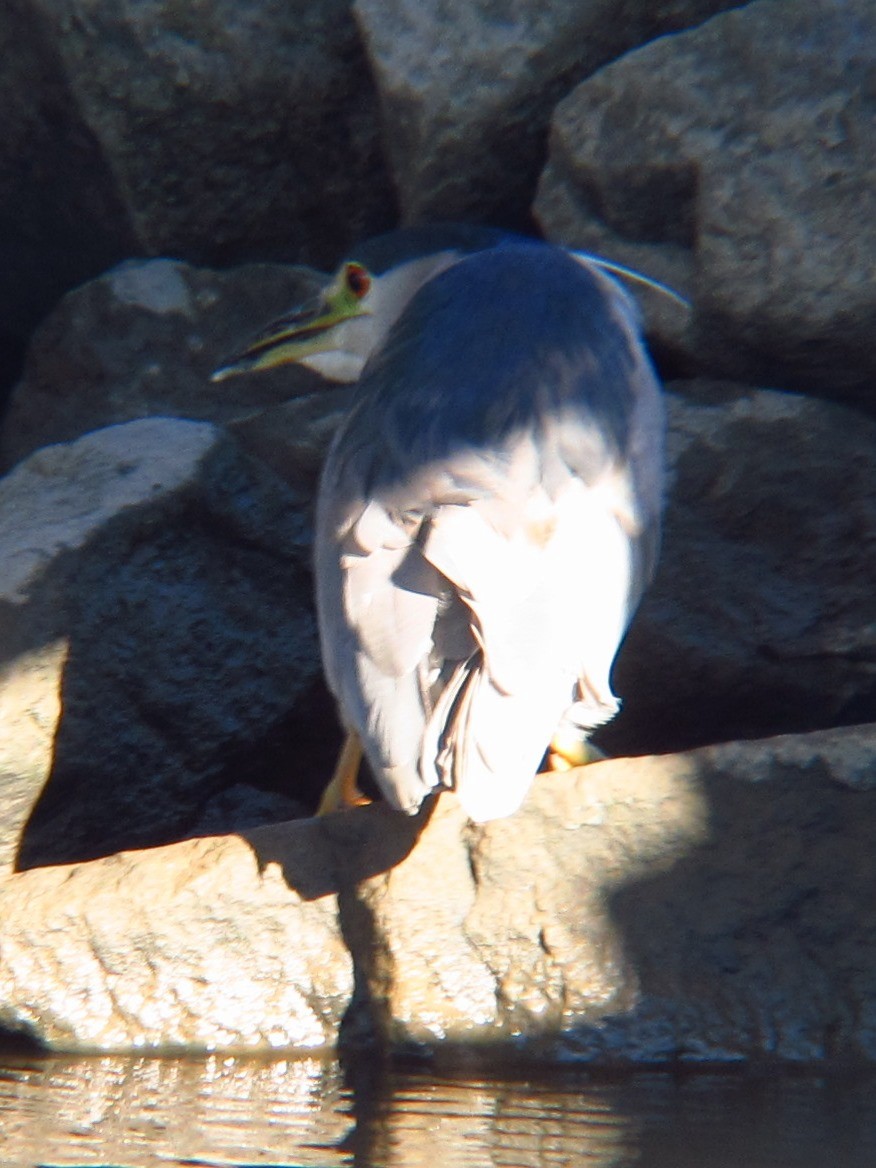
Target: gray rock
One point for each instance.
(292, 438)
(243, 806)
(157, 635)
(231, 130)
(702, 907)
(762, 617)
(739, 159)
(61, 217)
(142, 340)
(467, 89)
(224, 133)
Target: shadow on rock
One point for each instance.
(761, 940)
(159, 641)
(330, 855)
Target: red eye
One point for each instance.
(358, 280)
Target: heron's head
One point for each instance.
(316, 331)
(337, 330)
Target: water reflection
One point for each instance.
(175, 1111)
(229, 1111)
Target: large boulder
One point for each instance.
(141, 340)
(61, 220)
(467, 89)
(215, 133)
(158, 641)
(704, 907)
(229, 131)
(716, 905)
(192, 947)
(738, 159)
(762, 617)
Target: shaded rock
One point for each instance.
(142, 340)
(157, 636)
(744, 151)
(61, 218)
(292, 438)
(196, 946)
(467, 90)
(762, 617)
(218, 134)
(709, 906)
(226, 132)
(243, 806)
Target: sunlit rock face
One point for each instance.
(195, 947)
(706, 906)
(737, 159)
(709, 906)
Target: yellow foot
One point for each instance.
(569, 750)
(342, 791)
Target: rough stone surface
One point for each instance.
(227, 130)
(221, 133)
(158, 642)
(709, 906)
(716, 905)
(467, 89)
(143, 340)
(292, 438)
(195, 946)
(739, 159)
(762, 617)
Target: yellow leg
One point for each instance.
(569, 750)
(342, 790)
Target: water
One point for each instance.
(234, 1111)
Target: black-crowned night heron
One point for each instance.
(488, 514)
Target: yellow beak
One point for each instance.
(306, 330)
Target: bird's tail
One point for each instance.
(486, 744)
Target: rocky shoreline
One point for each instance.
(706, 895)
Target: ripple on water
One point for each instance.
(243, 1111)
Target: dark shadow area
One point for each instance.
(763, 937)
(717, 1119)
(60, 190)
(331, 855)
(18, 1044)
(191, 667)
